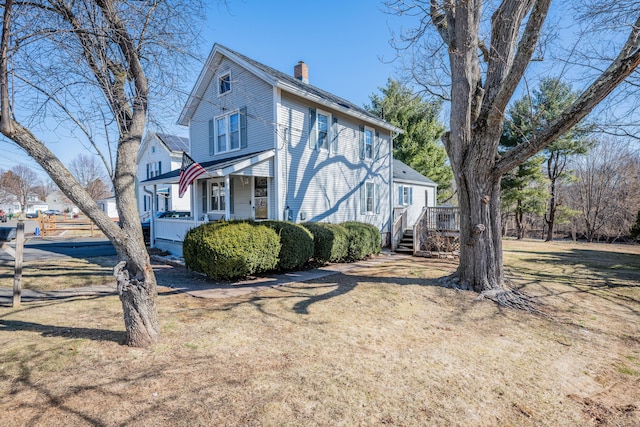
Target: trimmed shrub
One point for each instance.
(231, 250)
(296, 244)
(330, 241)
(364, 240)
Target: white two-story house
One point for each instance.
(276, 147)
(160, 153)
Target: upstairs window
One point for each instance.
(319, 129)
(224, 84)
(367, 143)
(230, 132)
(323, 131)
(154, 169)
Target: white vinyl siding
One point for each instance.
(324, 185)
(251, 97)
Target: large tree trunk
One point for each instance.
(480, 267)
(135, 277)
(137, 290)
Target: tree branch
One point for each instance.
(620, 68)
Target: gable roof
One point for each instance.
(279, 79)
(173, 142)
(404, 173)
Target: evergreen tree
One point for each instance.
(419, 146)
(539, 110)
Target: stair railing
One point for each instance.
(399, 225)
(418, 231)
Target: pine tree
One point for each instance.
(419, 146)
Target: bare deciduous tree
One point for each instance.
(488, 47)
(19, 182)
(606, 190)
(91, 175)
(89, 63)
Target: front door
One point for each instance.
(261, 198)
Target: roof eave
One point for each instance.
(348, 111)
(193, 100)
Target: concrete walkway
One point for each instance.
(244, 287)
(184, 281)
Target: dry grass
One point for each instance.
(374, 346)
(60, 273)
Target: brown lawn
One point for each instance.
(374, 346)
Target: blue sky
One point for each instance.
(344, 43)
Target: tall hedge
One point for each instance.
(296, 244)
(231, 250)
(330, 241)
(364, 240)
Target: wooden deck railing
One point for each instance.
(437, 231)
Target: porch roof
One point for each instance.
(219, 167)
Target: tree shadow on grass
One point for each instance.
(610, 276)
(63, 331)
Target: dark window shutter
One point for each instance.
(334, 134)
(159, 168)
(243, 127)
(212, 137)
(312, 128)
(400, 195)
(377, 143)
(203, 188)
(231, 180)
(361, 142)
(410, 195)
(148, 171)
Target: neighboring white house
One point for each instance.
(276, 147)
(160, 153)
(35, 204)
(108, 206)
(58, 201)
(412, 191)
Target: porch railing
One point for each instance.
(174, 228)
(437, 232)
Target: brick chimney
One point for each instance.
(301, 72)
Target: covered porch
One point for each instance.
(241, 187)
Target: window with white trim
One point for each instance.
(154, 169)
(228, 133)
(368, 142)
(368, 197)
(323, 130)
(217, 196)
(224, 83)
(405, 195)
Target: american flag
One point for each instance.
(189, 171)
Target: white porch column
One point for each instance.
(227, 198)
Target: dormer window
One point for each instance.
(224, 84)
